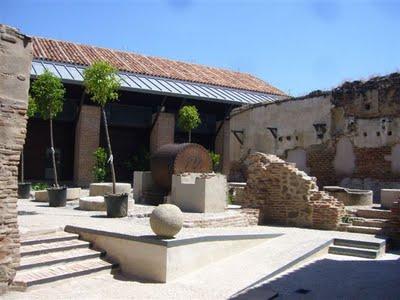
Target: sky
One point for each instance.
(297, 46)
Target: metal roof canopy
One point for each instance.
(157, 85)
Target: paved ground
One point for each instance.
(326, 278)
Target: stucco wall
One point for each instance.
(15, 64)
(348, 136)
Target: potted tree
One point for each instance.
(24, 188)
(188, 119)
(102, 85)
(48, 92)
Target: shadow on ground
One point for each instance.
(331, 279)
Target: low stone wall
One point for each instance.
(230, 218)
(287, 196)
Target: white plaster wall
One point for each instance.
(291, 118)
(299, 157)
(376, 132)
(344, 162)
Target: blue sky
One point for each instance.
(298, 46)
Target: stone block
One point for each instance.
(142, 181)
(103, 188)
(388, 197)
(198, 192)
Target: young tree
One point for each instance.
(188, 119)
(102, 84)
(48, 92)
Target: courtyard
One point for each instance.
(144, 154)
(259, 272)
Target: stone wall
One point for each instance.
(15, 64)
(286, 195)
(349, 136)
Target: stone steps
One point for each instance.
(52, 257)
(373, 213)
(350, 251)
(30, 277)
(47, 259)
(378, 223)
(364, 229)
(364, 249)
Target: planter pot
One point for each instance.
(57, 196)
(117, 205)
(24, 190)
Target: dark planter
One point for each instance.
(24, 190)
(57, 196)
(117, 205)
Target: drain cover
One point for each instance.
(302, 291)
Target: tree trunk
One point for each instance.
(53, 155)
(22, 166)
(109, 149)
(190, 136)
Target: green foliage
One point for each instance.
(32, 107)
(47, 93)
(100, 170)
(140, 161)
(230, 198)
(101, 82)
(188, 118)
(215, 158)
(347, 219)
(39, 186)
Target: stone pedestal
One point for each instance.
(72, 194)
(200, 193)
(97, 203)
(103, 188)
(142, 181)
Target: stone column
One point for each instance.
(163, 131)
(15, 67)
(87, 140)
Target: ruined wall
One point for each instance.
(349, 136)
(287, 196)
(15, 64)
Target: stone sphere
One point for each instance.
(166, 220)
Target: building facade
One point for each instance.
(152, 92)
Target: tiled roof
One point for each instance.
(67, 52)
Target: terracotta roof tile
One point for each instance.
(67, 52)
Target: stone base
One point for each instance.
(199, 192)
(350, 197)
(103, 188)
(97, 203)
(72, 194)
(388, 197)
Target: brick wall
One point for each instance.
(15, 64)
(287, 196)
(87, 136)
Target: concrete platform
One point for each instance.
(161, 260)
